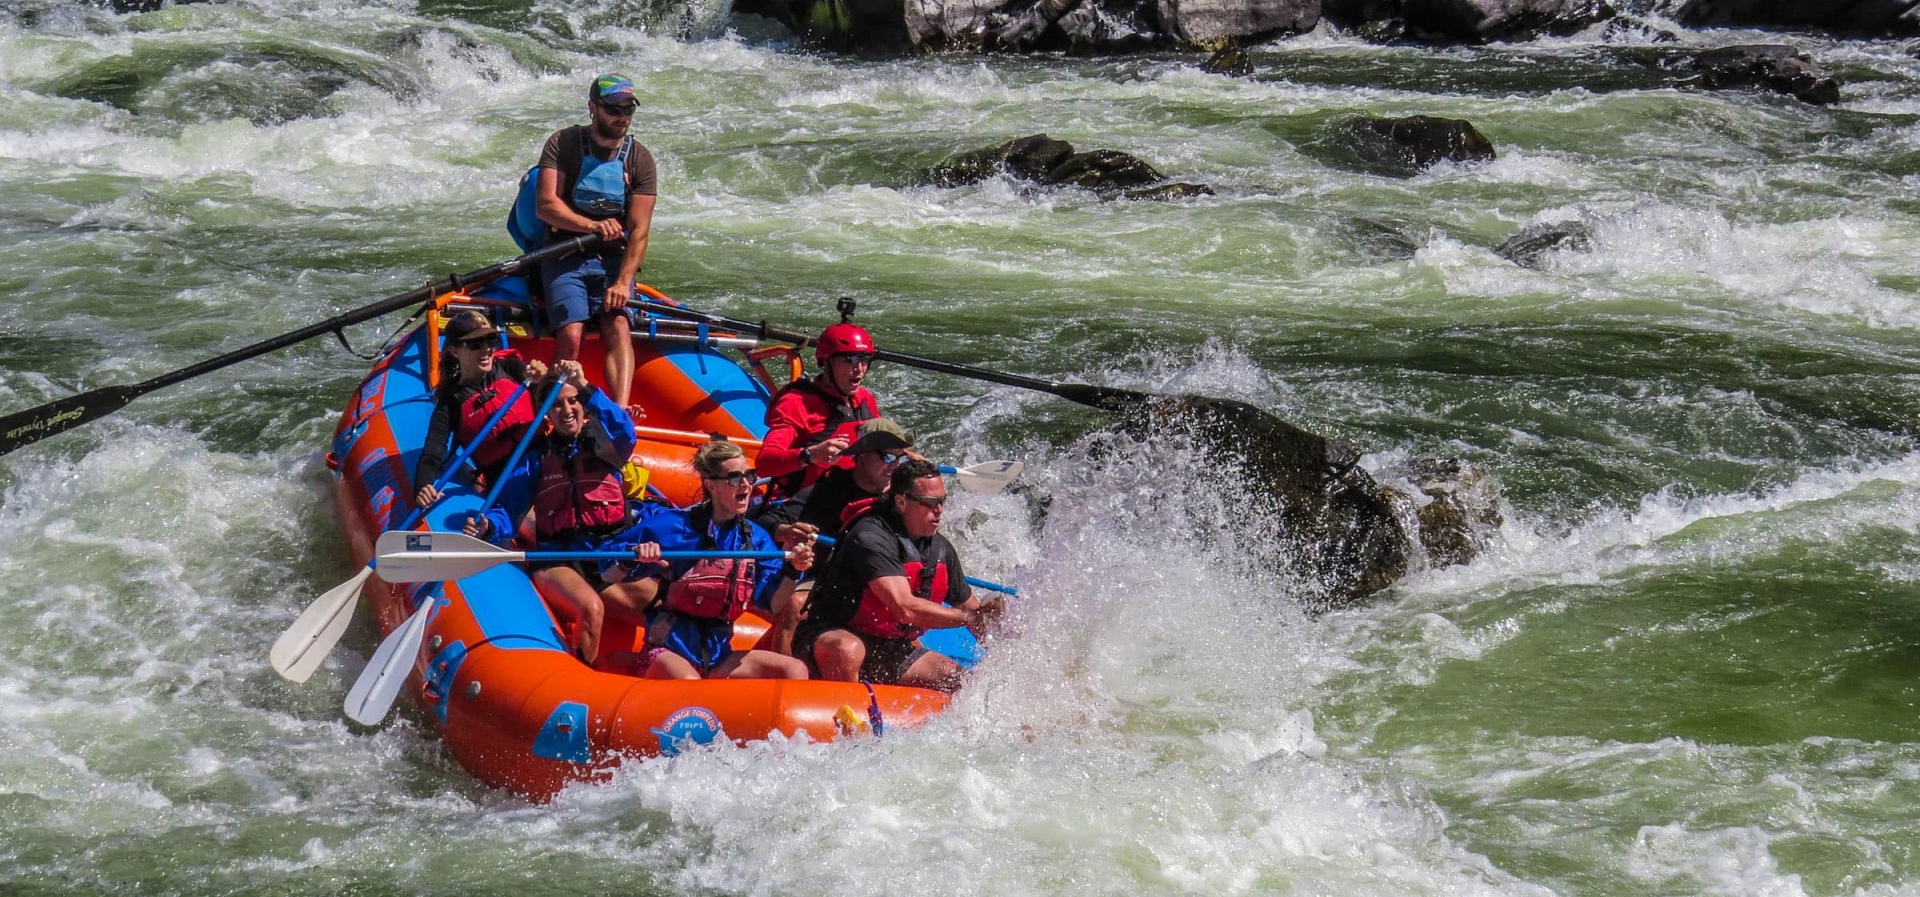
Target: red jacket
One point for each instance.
(804, 414)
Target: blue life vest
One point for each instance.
(599, 191)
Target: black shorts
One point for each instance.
(887, 658)
(588, 570)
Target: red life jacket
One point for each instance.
(581, 495)
(479, 408)
(836, 416)
(714, 588)
(925, 579)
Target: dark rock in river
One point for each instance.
(1862, 18)
(1169, 191)
(1406, 146)
(1102, 170)
(1348, 532)
(1229, 61)
(1455, 506)
(1775, 67)
(1526, 247)
(1473, 21)
(1044, 160)
(1482, 21)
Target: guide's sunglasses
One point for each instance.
(856, 358)
(479, 342)
(931, 501)
(737, 478)
(621, 111)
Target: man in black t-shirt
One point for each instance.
(878, 446)
(892, 577)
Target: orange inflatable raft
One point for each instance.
(494, 676)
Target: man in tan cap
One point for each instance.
(878, 446)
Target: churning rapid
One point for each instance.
(1684, 664)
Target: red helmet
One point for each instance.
(843, 339)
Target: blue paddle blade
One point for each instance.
(956, 643)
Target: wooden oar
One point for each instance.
(37, 423)
(427, 557)
(300, 650)
(373, 693)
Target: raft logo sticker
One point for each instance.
(422, 542)
(685, 728)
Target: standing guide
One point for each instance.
(597, 179)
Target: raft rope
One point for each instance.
(387, 345)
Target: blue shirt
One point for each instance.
(675, 530)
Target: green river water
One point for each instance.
(1686, 664)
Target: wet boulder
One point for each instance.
(1405, 147)
(1168, 191)
(1776, 67)
(1527, 247)
(1346, 531)
(1054, 163)
(1454, 505)
(1102, 170)
(1858, 18)
(1228, 61)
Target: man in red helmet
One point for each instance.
(810, 423)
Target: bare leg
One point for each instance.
(564, 584)
(617, 339)
(759, 665)
(839, 654)
(566, 341)
(933, 670)
(668, 665)
(787, 606)
(627, 601)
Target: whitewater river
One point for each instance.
(1686, 663)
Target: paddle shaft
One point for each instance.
(1102, 397)
(37, 423)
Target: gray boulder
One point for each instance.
(1211, 24)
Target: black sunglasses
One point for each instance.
(478, 342)
(622, 110)
(931, 501)
(736, 478)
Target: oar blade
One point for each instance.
(373, 693)
(37, 423)
(989, 477)
(304, 646)
(402, 556)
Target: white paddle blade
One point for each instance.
(402, 556)
(989, 477)
(373, 693)
(301, 649)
